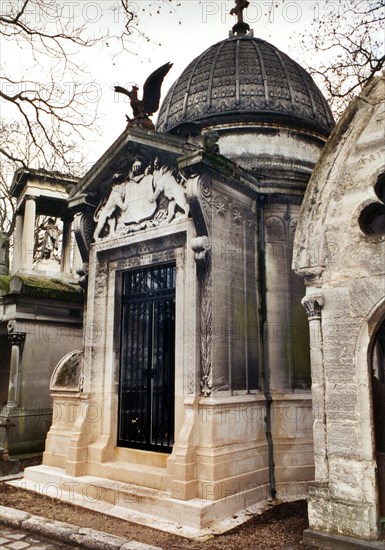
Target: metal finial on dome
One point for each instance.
(240, 27)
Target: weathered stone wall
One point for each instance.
(344, 270)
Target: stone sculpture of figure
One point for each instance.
(50, 245)
(105, 215)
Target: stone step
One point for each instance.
(194, 518)
(132, 473)
(54, 481)
(148, 458)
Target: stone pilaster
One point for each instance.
(16, 339)
(313, 306)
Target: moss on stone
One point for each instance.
(222, 165)
(55, 289)
(4, 284)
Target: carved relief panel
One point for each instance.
(151, 193)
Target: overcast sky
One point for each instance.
(179, 32)
(184, 32)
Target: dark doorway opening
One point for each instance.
(378, 394)
(146, 393)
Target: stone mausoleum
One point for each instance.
(41, 304)
(193, 397)
(190, 400)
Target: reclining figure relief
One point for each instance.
(137, 203)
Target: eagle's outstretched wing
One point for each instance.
(121, 90)
(151, 89)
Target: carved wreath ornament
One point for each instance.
(149, 196)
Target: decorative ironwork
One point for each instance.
(146, 407)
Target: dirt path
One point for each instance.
(277, 529)
(280, 528)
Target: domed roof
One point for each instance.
(244, 79)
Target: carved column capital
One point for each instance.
(313, 306)
(30, 198)
(16, 338)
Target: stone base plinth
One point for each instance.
(195, 518)
(9, 467)
(332, 541)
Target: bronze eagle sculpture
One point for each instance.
(149, 104)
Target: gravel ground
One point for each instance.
(279, 528)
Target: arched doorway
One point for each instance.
(378, 396)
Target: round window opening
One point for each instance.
(372, 217)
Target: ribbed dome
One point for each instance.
(245, 79)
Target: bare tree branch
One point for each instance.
(347, 45)
(46, 116)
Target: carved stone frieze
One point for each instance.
(237, 215)
(101, 278)
(149, 196)
(221, 206)
(205, 186)
(130, 254)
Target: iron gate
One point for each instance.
(146, 394)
